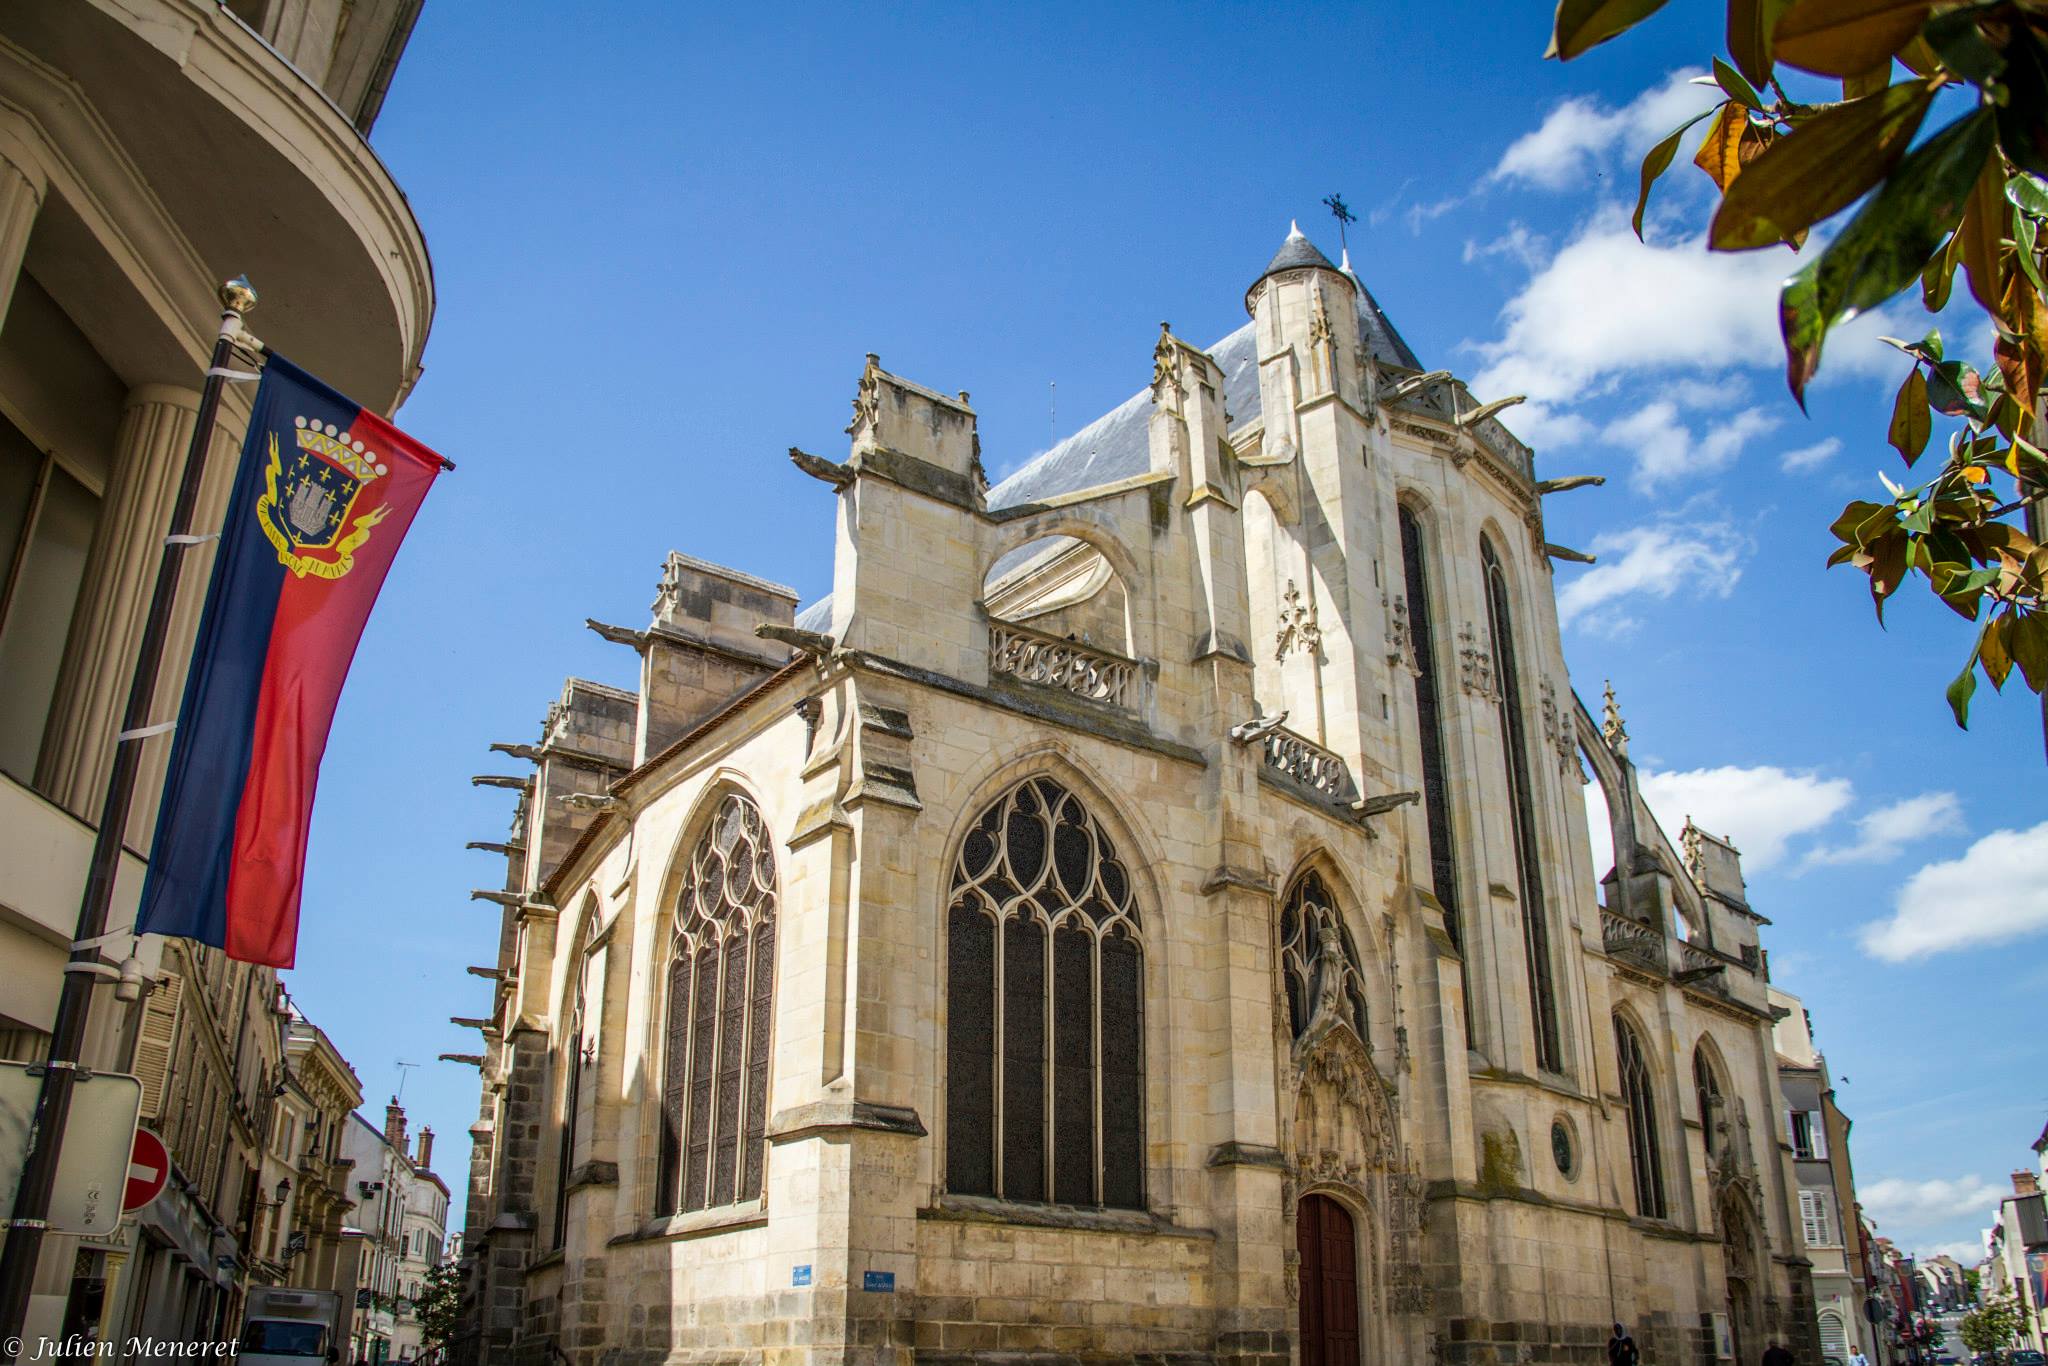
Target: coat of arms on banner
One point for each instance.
(308, 502)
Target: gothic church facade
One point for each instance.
(1145, 912)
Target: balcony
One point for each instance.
(1053, 662)
(1303, 761)
(1632, 942)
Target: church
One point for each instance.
(1145, 913)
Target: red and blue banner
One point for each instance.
(324, 495)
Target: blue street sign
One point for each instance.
(800, 1275)
(878, 1280)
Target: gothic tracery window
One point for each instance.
(572, 1093)
(1637, 1093)
(1514, 739)
(721, 995)
(1707, 1088)
(1314, 941)
(1044, 1037)
(1443, 867)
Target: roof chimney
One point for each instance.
(2025, 1183)
(426, 1158)
(394, 1124)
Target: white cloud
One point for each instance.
(1664, 448)
(1517, 243)
(1651, 561)
(1579, 135)
(1881, 834)
(1760, 810)
(1993, 892)
(1966, 1251)
(1810, 457)
(1607, 309)
(1897, 1203)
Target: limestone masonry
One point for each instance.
(1144, 913)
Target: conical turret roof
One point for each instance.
(1296, 253)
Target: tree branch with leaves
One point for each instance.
(1970, 195)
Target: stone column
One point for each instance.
(113, 601)
(21, 196)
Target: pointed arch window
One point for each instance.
(1313, 943)
(1638, 1095)
(1045, 1078)
(1436, 806)
(1522, 810)
(721, 998)
(1706, 1085)
(572, 1090)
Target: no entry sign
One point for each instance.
(149, 1167)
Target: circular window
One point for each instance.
(1561, 1145)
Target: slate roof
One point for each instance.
(1114, 446)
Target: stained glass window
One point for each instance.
(1044, 1034)
(1515, 740)
(721, 1005)
(1707, 1088)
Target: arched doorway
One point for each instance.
(1739, 1265)
(1328, 1243)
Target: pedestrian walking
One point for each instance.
(1621, 1349)
(1856, 1358)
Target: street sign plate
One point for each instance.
(99, 1140)
(149, 1169)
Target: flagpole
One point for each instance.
(30, 1218)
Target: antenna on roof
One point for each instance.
(401, 1065)
(1340, 211)
(1052, 413)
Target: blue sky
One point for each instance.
(664, 239)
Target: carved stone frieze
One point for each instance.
(1400, 640)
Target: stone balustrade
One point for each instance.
(1308, 763)
(1632, 941)
(1068, 665)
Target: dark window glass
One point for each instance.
(572, 1089)
(721, 1017)
(1707, 1090)
(1642, 1121)
(753, 1148)
(1044, 1035)
(1073, 1054)
(1309, 920)
(1024, 1060)
(1522, 809)
(1443, 867)
(971, 1053)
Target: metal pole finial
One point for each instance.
(238, 296)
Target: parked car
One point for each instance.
(2025, 1356)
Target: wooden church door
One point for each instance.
(1324, 1236)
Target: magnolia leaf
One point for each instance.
(1869, 83)
(1955, 389)
(2024, 249)
(1823, 166)
(1910, 425)
(1735, 86)
(1750, 23)
(1844, 37)
(1938, 276)
(1582, 24)
(1992, 651)
(2027, 193)
(1720, 153)
(1982, 234)
(1656, 163)
(2028, 639)
(1953, 37)
(1960, 691)
(1919, 58)
(1884, 245)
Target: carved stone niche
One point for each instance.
(1342, 1133)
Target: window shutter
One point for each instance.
(1817, 1131)
(153, 1043)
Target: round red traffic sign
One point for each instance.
(149, 1168)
